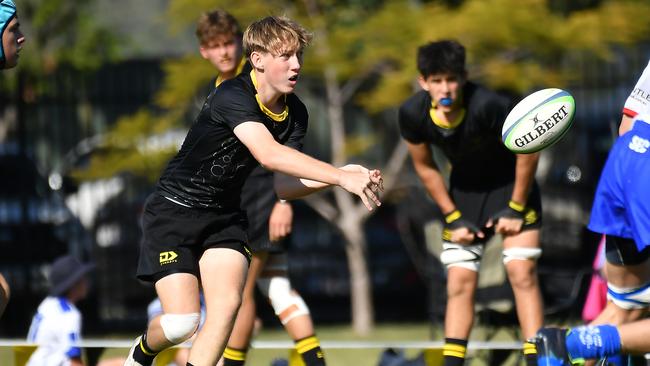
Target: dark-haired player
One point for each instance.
(193, 228)
(490, 189)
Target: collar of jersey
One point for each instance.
(240, 67)
(442, 124)
(277, 117)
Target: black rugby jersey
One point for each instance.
(212, 164)
(474, 148)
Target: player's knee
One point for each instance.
(461, 284)
(286, 303)
(465, 256)
(179, 327)
(522, 276)
(629, 298)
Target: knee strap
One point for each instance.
(466, 256)
(521, 253)
(629, 298)
(286, 303)
(179, 327)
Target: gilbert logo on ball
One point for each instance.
(538, 121)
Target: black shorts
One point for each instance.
(624, 252)
(478, 206)
(258, 199)
(174, 237)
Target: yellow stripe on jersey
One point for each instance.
(240, 67)
(277, 117)
(443, 124)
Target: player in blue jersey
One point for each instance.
(56, 326)
(621, 211)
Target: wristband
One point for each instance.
(516, 206)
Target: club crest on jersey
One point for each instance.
(639, 144)
(168, 257)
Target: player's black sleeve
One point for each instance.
(408, 125)
(232, 104)
(496, 110)
(301, 122)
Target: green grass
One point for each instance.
(340, 357)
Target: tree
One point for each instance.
(364, 55)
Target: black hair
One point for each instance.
(441, 57)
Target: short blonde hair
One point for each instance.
(216, 24)
(275, 35)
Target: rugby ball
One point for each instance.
(538, 121)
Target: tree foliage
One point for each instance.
(61, 32)
(513, 45)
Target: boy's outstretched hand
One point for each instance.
(364, 183)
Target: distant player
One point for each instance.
(621, 211)
(491, 190)
(193, 225)
(56, 326)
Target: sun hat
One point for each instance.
(65, 272)
(7, 12)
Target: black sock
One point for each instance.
(234, 357)
(454, 351)
(142, 353)
(310, 351)
(530, 354)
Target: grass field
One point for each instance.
(340, 357)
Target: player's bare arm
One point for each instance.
(432, 179)
(280, 221)
(279, 158)
(626, 124)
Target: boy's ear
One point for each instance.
(423, 83)
(204, 52)
(257, 61)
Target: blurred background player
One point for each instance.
(491, 190)
(12, 43)
(621, 212)
(56, 326)
(193, 226)
(220, 42)
(270, 221)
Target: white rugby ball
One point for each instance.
(538, 121)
